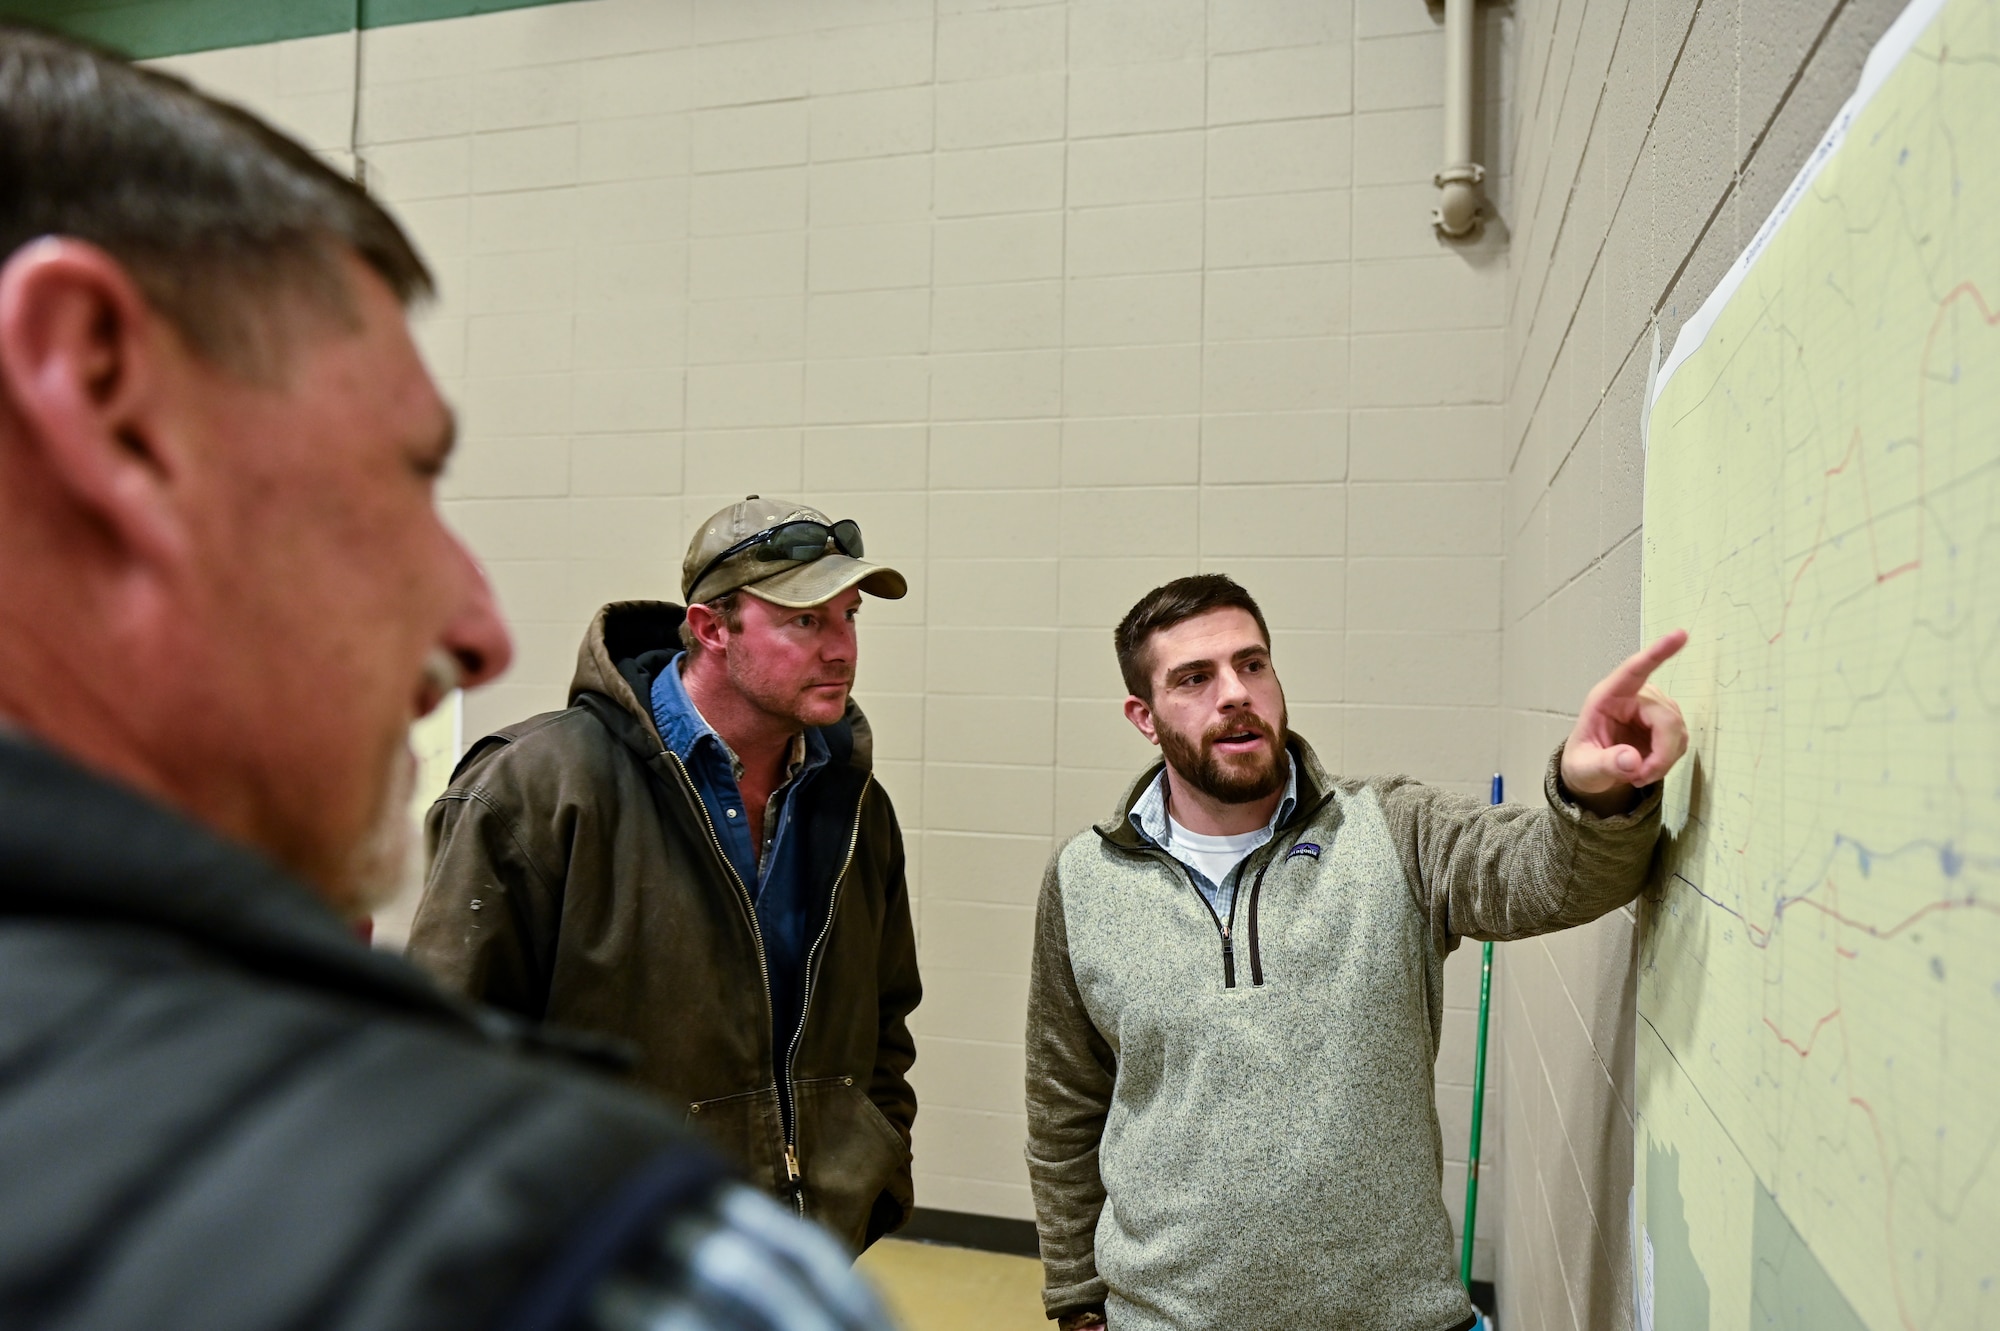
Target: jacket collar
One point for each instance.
(1315, 787)
(74, 845)
(620, 633)
(682, 727)
(1149, 815)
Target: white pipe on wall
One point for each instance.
(1462, 201)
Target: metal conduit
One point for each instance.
(1462, 202)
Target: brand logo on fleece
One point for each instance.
(1303, 848)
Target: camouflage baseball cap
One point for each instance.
(715, 566)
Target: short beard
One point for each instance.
(1195, 762)
(384, 862)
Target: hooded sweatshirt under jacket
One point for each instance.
(1231, 1121)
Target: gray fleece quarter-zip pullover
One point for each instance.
(1240, 1129)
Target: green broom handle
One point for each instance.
(1478, 1100)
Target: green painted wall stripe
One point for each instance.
(388, 13)
(145, 29)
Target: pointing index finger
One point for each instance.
(1633, 672)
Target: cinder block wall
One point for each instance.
(1059, 300)
(1062, 299)
(1651, 138)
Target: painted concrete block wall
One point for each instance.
(1060, 300)
(1649, 141)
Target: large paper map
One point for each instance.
(1818, 1049)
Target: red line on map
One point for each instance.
(1760, 935)
(1853, 454)
(1875, 931)
(1857, 456)
(1763, 932)
(1805, 1050)
(1837, 1019)
(1888, 1209)
(1875, 546)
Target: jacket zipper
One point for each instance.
(1227, 928)
(792, 1171)
(1256, 956)
(750, 912)
(789, 1103)
(1221, 927)
(1299, 818)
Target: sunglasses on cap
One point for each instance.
(800, 541)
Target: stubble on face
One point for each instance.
(786, 699)
(1230, 780)
(796, 690)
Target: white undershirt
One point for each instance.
(1214, 857)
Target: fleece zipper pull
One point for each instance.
(1256, 953)
(791, 1165)
(1221, 925)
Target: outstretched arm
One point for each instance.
(1508, 871)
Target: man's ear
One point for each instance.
(707, 628)
(1140, 713)
(81, 370)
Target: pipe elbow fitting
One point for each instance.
(1460, 203)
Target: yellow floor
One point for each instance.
(934, 1288)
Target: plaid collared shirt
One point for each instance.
(1149, 819)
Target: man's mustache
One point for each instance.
(1246, 722)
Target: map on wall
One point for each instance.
(1818, 1044)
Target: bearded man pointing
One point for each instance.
(1238, 987)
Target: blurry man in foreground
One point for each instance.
(224, 594)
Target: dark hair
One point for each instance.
(1164, 607)
(209, 209)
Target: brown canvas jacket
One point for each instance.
(575, 880)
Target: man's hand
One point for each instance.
(1628, 734)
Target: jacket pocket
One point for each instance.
(749, 1130)
(849, 1155)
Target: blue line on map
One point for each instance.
(1950, 858)
(1951, 862)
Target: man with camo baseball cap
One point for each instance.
(694, 858)
(784, 553)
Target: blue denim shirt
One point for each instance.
(773, 878)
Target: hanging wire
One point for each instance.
(354, 113)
